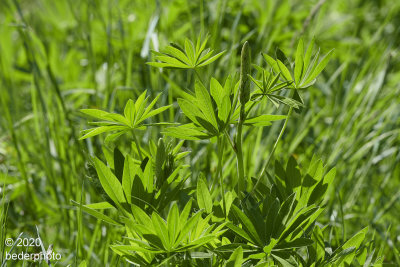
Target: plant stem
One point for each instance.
(137, 146)
(199, 77)
(230, 141)
(273, 150)
(221, 145)
(239, 154)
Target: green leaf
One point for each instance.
(354, 242)
(299, 61)
(99, 130)
(109, 182)
(128, 177)
(263, 120)
(308, 55)
(118, 163)
(319, 245)
(205, 104)
(99, 206)
(217, 91)
(178, 54)
(228, 202)
(284, 213)
(321, 65)
(130, 112)
(239, 231)
(236, 258)
(287, 101)
(225, 109)
(282, 261)
(310, 68)
(154, 112)
(173, 223)
(257, 83)
(204, 199)
(273, 64)
(197, 243)
(186, 132)
(149, 107)
(189, 49)
(200, 49)
(131, 249)
(188, 227)
(160, 64)
(139, 106)
(185, 214)
(247, 225)
(210, 60)
(285, 72)
(96, 113)
(148, 177)
(95, 213)
(142, 217)
(191, 110)
(267, 249)
(299, 221)
(171, 62)
(161, 230)
(297, 243)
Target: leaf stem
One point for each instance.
(221, 145)
(199, 77)
(137, 145)
(230, 141)
(273, 150)
(239, 154)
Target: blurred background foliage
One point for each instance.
(57, 57)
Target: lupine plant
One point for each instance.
(268, 220)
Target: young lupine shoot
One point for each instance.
(244, 96)
(245, 70)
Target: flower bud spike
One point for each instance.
(245, 69)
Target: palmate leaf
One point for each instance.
(207, 121)
(135, 113)
(180, 232)
(191, 57)
(306, 69)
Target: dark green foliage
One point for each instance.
(177, 167)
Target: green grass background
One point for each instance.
(57, 57)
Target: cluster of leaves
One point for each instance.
(211, 113)
(191, 57)
(135, 114)
(275, 224)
